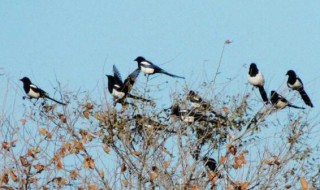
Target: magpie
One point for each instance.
(295, 83)
(149, 68)
(255, 78)
(190, 116)
(280, 102)
(121, 90)
(144, 122)
(197, 102)
(34, 92)
(210, 163)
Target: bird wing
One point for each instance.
(129, 81)
(117, 75)
(37, 90)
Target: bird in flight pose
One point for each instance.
(120, 90)
(34, 92)
(295, 83)
(149, 68)
(255, 78)
(280, 102)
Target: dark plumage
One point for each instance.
(210, 163)
(34, 92)
(280, 102)
(190, 116)
(149, 68)
(295, 83)
(255, 78)
(121, 90)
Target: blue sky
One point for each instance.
(79, 41)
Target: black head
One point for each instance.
(253, 69)
(191, 93)
(25, 80)
(140, 59)
(273, 93)
(291, 73)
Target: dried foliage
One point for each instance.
(90, 144)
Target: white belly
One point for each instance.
(281, 104)
(256, 80)
(33, 94)
(117, 94)
(188, 119)
(147, 70)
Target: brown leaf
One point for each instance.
(62, 118)
(232, 149)
(89, 137)
(226, 110)
(244, 185)
(23, 121)
(101, 174)
(152, 175)
(5, 178)
(88, 163)
(92, 187)
(123, 167)
(222, 159)
(212, 176)
(60, 181)
(89, 106)
(304, 184)
(239, 161)
(24, 161)
(106, 149)
(86, 114)
(44, 132)
(136, 153)
(125, 183)
(39, 167)
(194, 187)
(73, 174)
(5, 145)
(13, 175)
(165, 164)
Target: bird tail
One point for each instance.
(55, 100)
(263, 94)
(305, 97)
(297, 107)
(138, 98)
(171, 75)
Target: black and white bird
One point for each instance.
(121, 90)
(295, 83)
(280, 102)
(149, 68)
(255, 78)
(190, 116)
(34, 92)
(197, 102)
(210, 163)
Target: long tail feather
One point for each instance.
(138, 98)
(263, 94)
(171, 75)
(55, 100)
(297, 107)
(305, 97)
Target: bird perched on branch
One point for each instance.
(280, 102)
(255, 78)
(210, 163)
(121, 90)
(190, 116)
(149, 68)
(295, 83)
(197, 102)
(34, 92)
